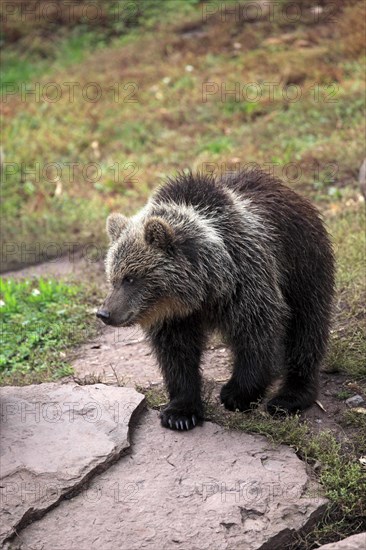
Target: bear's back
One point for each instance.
(200, 191)
(291, 215)
(206, 192)
(248, 192)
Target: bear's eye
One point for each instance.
(128, 279)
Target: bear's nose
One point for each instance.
(103, 314)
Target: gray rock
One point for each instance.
(354, 401)
(356, 542)
(53, 438)
(205, 489)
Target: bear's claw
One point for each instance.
(178, 421)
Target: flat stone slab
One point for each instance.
(53, 438)
(356, 542)
(206, 489)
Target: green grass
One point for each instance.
(344, 394)
(169, 127)
(40, 319)
(18, 70)
(348, 343)
(357, 419)
(45, 44)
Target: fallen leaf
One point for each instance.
(360, 410)
(320, 406)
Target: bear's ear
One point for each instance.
(116, 223)
(158, 233)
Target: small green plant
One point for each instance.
(356, 418)
(39, 320)
(343, 394)
(218, 145)
(155, 397)
(248, 110)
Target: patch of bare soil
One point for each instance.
(75, 266)
(332, 417)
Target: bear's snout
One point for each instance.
(103, 315)
(116, 321)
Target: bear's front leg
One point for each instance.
(178, 346)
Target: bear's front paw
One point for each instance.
(180, 416)
(234, 399)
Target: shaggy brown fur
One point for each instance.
(245, 255)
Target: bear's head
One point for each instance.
(147, 271)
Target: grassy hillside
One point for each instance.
(96, 114)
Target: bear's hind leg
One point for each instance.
(251, 375)
(305, 345)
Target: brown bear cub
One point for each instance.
(244, 255)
